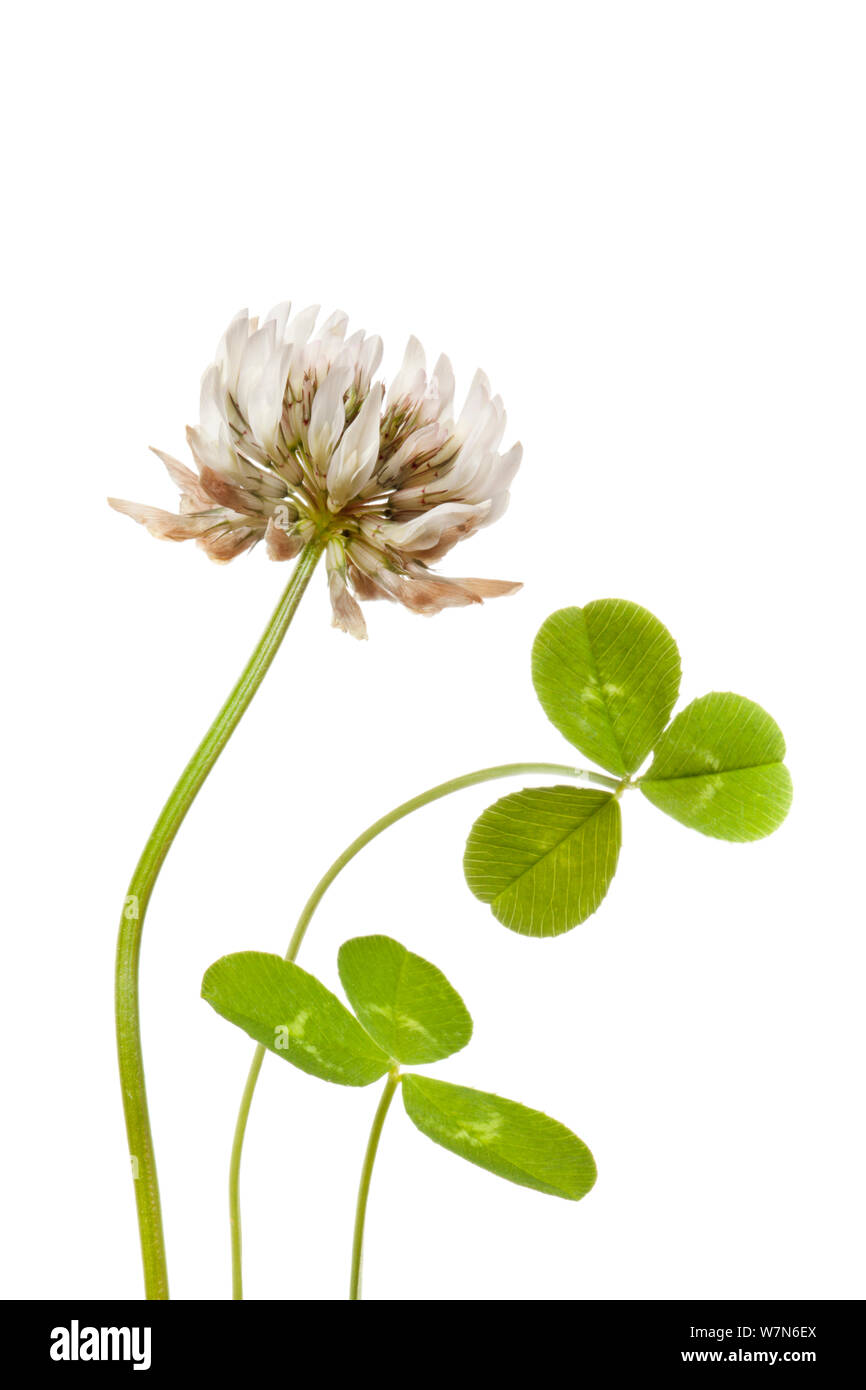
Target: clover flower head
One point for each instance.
(297, 441)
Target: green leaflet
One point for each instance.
(294, 1015)
(402, 1000)
(544, 858)
(507, 1139)
(607, 676)
(718, 768)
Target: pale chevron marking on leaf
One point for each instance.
(404, 1002)
(259, 992)
(718, 769)
(522, 1145)
(607, 676)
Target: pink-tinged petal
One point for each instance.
(428, 593)
(346, 609)
(166, 526)
(347, 613)
(488, 588)
(185, 480)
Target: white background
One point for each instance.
(646, 221)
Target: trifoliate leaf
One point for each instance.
(607, 676)
(294, 1015)
(544, 858)
(719, 769)
(403, 1001)
(507, 1139)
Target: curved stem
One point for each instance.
(364, 1188)
(455, 784)
(129, 1053)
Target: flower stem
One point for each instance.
(456, 784)
(129, 1052)
(364, 1187)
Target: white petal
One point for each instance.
(212, 402)
(354, 460)
(265, 398)
(335, 325)
(328, 415)
(498, 508)
(476, 401)
(369, 357)
(424, 531)
(351, 348)
(302, 325)
(260, 347)
(280, 315)
(489, 426)
(411, 375)
(230, 349)
(215, 453)
(496, 477)
(443, 375)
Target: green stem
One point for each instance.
(129, 1053)
(235, 1172)
(456, 784)
(364, 1187)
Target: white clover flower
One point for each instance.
(297, 442)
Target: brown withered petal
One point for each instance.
(281, 544)
(428, 593)
(347, 613)
(225, 545)
(365, 587)
(449, 539)
(186, 481)
(166, 526)
(227, 494)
